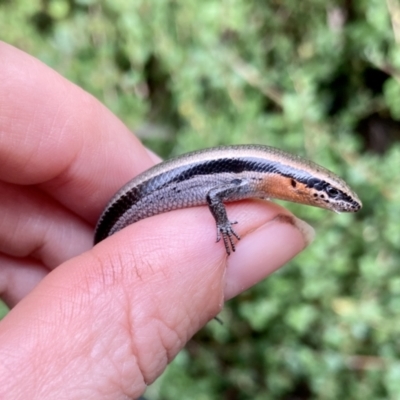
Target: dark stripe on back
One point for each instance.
(227, 165)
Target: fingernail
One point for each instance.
(264, 250)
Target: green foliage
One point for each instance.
(306, 76)
(3, 309)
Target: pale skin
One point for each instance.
(103, 322)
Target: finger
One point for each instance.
(271, 245)
(130, 304)
(34, 225)
(270, 237)
(36, 235)
(18, 276)
(54, 134)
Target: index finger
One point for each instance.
(55, 135)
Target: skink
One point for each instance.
(224, 174)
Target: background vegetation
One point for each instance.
(316, 77)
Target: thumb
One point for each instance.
(106, 323)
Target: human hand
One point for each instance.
(103, 322)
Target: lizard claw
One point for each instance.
(227, 233)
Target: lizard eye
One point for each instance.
(331, 191)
